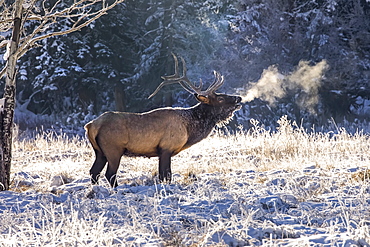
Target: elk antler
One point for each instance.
(186, 83)
(216, 84)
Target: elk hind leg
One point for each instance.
(97, 167)
(111, 173)
(165, 166)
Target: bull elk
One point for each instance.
(161, 132)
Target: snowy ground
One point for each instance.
(288, 188)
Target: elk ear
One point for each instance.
(202, 98)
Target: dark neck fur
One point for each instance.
(201, 120)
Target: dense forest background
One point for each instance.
(117, 62)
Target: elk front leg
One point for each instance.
(165, 166)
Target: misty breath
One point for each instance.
(273, 85)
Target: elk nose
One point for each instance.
(238, 99)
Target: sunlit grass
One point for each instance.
(224, 187)
(290, 147)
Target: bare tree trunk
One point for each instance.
(83, 12)
(6, 120)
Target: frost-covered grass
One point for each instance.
(290, 187)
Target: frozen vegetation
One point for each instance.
(291, 187)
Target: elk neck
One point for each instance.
(201, 119)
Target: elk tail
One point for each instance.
(92, 133)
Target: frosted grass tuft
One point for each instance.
(285, 188)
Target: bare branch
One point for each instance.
(31, 40)
(2, 72)
(6, 18)
(80, 13)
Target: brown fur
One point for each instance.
(162, 132)
(140, 134)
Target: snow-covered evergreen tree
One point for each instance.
(117, 61)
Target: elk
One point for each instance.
(162, 132)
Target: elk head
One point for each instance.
(221, 104)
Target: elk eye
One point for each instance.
(220, 99)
